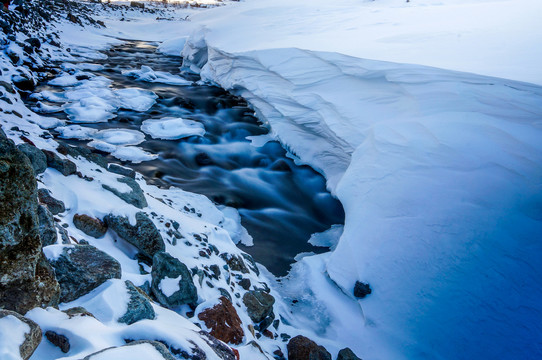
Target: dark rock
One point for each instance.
(63, 235)
(166, 266)
(9, 88)
(47, 226)
(77, 151)
(223, 321)
(143, 235)
(36, 156)
(245, 283)
(361, 290)
(58, 340)
(65, 166)
(25, 281)
(302, 348)
(139, 306)
(55, 206)
(222, 350)
(161, 348)
(259, 304)
(89, 225)
(121, 170)
(137, 4)
(82, 268)
(266, 322)
(77, 311)
(134, 197)
(347, 354)
(22, 82)
(251, 263)
(31, 339)
(33, 42)
(235, 263)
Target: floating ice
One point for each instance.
(102, 146)
(49, 96)
(82, 66)
(148, 74)
(120, 136)
(46, 109)
(136, 99)
(76, 132)
(172, 128)
(92, 110)
(133, 154)
(65, 80)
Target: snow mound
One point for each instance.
(120, 136)
(172, 128)
(76, 132)
(136, 99)
(133, 154)
(146, 73)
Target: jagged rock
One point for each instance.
(55, 206)
(172, 282)
(25, 280)
(58, 340)
(139, 306)
(347, 354)
(77, 151)
(131, 348)
(144, 235)
(223, 321)
(361, 290)
(47, 226)
(33, 42)
(65, 166)
(134, 197)
(31, 339)
(63, 235)
(121, 170)
(89, 225)
(302, 348)
(222, 350)
(36, 156)
(82, 268)
(259, 304)
(251, 263)
(235, 263)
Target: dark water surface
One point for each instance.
(281, 204)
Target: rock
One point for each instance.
(77, 311)
(81, 268)
(55, 206)
(9, 88)
(172, 282)
(121, 170)
(131, 350)
(347, 354)
(65, 166)
(89, 225)
(58, 340)
(137, 4)
(32, 338)
(361, 290)
(36, 156)
(223, 351)
(134, 197)
(223, 321)
(259, 304)
(235, 263)
(139, 306)
(302, 348)
(33, 42)
(25, 280)
(63, 235)
(144, 235)
(77, 151)
(245, 283)
(47, 226)
(251, 263)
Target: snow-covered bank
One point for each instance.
(439, 171)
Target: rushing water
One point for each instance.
(281, 204)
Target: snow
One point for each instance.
(12, 335)
(172, 128)
(134, 352)
(133, 154)
(136, 99)
(146, 73)
(170, 286)
(172, 46)
(76, 132)
(120, 136)
(329, 238)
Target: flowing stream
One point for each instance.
(281, 204)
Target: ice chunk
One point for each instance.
(76, 132)
(120, 136)
(65, 80)
(172, 128)
(148, 74)
(92, 109)
(136, 99)
(133, 154)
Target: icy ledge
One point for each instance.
(440, 174)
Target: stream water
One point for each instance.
(281, 204)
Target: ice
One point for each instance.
(65, 80)
(120, 136)
(92, 109)
(172, 128)
(148, 74)
(169, 286)
(102, 146)
(82, 66)
(46, 109)
(172, 46)
(12, 335)
(76, 132)
(136, 99)
(329, 238)
(133, 154)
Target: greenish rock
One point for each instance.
(121, 170)
(139, 306)
(166, 266)
(259, 304)
(143, 235)
(55, 206)
(47, 226)
(134, 197)
(36, 156)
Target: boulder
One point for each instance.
(302, 348)
(259, 304)
(18, 325)
(81, 268)
(139, 307)
(36, 156)
(25, 280)
(172, 282)
(235, 263)
(134, 197)
(55, 206)
(347, 354)
(133, 350)
(121, 170)
(143, 235)
(361, 290)
(89, 225)
(47, 226)
(78, 151)
(58, 340)
(223, 321)
(65, 166)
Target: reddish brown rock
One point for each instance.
(302, 348)
(89, 225)
(223, 321)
